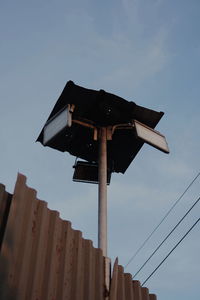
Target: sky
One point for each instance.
(146, 51)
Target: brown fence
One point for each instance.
(43, 258)
(124, 288)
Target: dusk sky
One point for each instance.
(146, 51)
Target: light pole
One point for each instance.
(102, 195)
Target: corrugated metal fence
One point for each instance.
(124, 288)
(43, 258)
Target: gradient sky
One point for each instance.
(146, 51)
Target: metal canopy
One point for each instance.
(100, 109)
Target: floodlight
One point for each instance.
(59, 122)
(88, 172)
(151, 136)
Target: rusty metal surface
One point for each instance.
(124, 288)
(43, 258)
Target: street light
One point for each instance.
(106, 131)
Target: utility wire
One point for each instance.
(170, 252)
(165, 216)
(166, 237)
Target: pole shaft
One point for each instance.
(102, 174)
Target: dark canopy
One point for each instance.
(100, 109)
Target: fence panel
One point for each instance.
(43, 258)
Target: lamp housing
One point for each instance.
(87, 172)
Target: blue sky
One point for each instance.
(146, 51)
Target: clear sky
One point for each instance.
(147, 51)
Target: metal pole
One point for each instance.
(102, 174)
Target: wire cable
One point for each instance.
(162, 220)
(167, 237)
(170, 252)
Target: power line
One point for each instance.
(171, 251)
(162, 220)
(166, 237)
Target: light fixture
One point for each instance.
(151, 136)
(87, 172)
(58, 123)
(65, 128)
